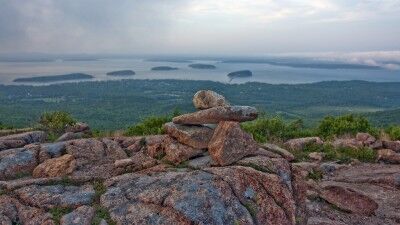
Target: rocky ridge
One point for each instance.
(204, 170)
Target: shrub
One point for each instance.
(151, 125)
(275, 129)
(56, 122)
(343, 155)
(348, 124)
(393, 132)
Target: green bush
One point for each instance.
(151, 125)
(275, 129)
(343, 155)
(348, 124)
(56, 122)
(393, 132)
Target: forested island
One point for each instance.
(126, 102)
(241, 73)
(53, 78)
(202, 66)
(121, 73)
(163, 68)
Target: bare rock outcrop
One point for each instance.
(22, 139)
(299, 144)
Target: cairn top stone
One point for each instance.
(205, 99)
(217, 114)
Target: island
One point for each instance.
(53, 78)
(121, 73)
(163, 68)
(202, 66)
(241, 73)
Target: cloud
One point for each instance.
(198, 26)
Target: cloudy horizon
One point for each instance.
(200, 26)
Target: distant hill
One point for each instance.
(72, 76)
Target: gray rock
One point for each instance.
(70, 136)
(80, 216)
(19, 140)
(56, 196)
(17, 162)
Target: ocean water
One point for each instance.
(261, 72)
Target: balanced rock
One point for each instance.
(299, 144)
(194, 136)
(176, 152)
(206, 99)
(218, 114)
(230, 143)
(56, 167)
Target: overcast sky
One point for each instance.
(199, 26)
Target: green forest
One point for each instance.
(113, 105)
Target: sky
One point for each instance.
(225, 27)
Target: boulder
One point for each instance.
(176, 152)
(318, 156)
(56, 167)
(217, 114)
(389, 156)
(154, 146)
(365, 138)
(348, 199)
(51, 150)
(95, 158)
(200, 162)
(276, 149)
(299, 144)
(347, 143)
(230, 143)
(22, 139)
(48, 197)
(193, 136)
(206, 99)
(77, 127)
(18, 162)
(69, 136)
(138, 161)
(81, 216)
(394, 145)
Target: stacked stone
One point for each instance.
(216, 128)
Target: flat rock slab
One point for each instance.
(56, 196)
(194, 136)
(360, 190)
(217, 114)
(217, 195)
(18, 162)
(13, 211)
(230, 143)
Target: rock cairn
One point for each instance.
(204, 170)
